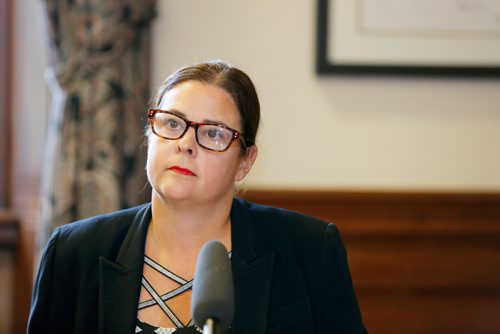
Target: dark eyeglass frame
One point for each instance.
(195, 125)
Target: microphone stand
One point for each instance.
(211, 327)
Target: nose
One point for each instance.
(187, 144)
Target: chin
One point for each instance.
(169, 192)
(177, 194)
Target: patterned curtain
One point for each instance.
(99, 80)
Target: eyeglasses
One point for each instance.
(212, 136)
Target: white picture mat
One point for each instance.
(387, 32)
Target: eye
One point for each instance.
(172, 123)
(214, 133)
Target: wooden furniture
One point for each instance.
(421, 262)
(9, 233)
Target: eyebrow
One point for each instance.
(205, 121)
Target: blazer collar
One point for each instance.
(120, 280)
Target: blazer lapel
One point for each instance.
(252, 275)
(120, 280)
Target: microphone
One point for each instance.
(212, 301)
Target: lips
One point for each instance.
(182, 171)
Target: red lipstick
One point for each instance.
(182, 171)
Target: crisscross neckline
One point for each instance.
(160, 300)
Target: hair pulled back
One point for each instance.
(229, 78)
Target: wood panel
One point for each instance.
(421, 262)
(26, 206)
(9, 234)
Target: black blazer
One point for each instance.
(290, 274)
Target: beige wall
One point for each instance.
(337, 133)
(30, 95)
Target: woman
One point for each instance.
(131, 271)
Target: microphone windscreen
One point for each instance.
(213, 294)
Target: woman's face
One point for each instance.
(181, 169)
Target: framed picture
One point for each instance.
(409, 37)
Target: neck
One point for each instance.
(190, 225)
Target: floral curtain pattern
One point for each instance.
(99, 80)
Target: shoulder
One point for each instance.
(95, 234)
(284, 223)
(100, 224)
(265, 213)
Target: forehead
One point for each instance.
(199, 101)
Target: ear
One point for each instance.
(246, 163)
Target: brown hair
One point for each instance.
(232, 80)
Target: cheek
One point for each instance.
(152, 158)
(149, 163)
(227, 169)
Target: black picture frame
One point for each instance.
(324, 66)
